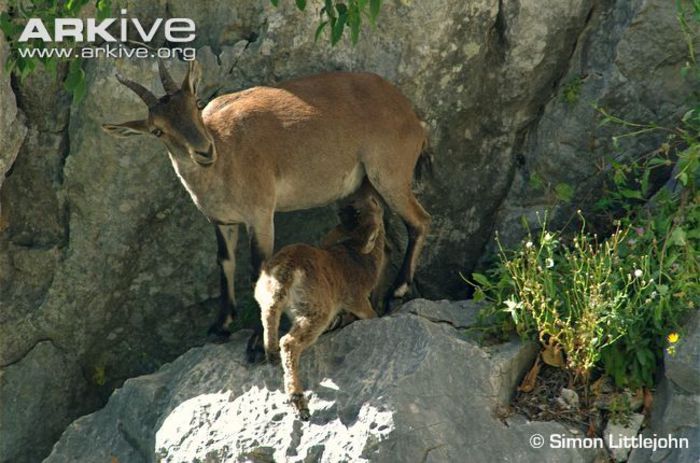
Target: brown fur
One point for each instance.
(306, 143)
(313, 285)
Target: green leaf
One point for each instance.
(80, 90)
(275, 3)
(374, 7)
(683, 178)
(329, 9)
(342, 9)
(104, 9)
(653, 162)
(51, 67)
(564, 192)
(678, 237)
(481, 279)
(631, 194)
(688, 115)
(319, 30)
(354, 20)
(6, 25)
(75, 80)
(301, 4)
(339, 25)
(641, 358)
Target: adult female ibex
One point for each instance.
(313, 285)
(302, 144)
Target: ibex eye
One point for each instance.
(157, 132)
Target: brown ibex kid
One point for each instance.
(313, 285)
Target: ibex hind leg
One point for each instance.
(398, 196)
(271, 294)
(304, 333)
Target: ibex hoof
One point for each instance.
(300, 405)
(273, 357)
(254, 351)
(336, 323)
(218, 333)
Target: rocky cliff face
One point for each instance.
(106, 268)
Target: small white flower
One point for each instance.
(654, 294)
(638, 273)
(512, 305)
(549, 262)
(529, 244)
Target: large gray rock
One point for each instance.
(676, 409)
(401, 388)
(45, 376)
(674, 414)
(612, 65)
(683, 367)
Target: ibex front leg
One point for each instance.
(226, 239)
(262, 240)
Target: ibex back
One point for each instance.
(302, 144)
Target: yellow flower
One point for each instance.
(672, 338)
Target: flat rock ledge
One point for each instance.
(412, 387)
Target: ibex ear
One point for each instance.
(371, 241)
(192, 78)
(127, 129)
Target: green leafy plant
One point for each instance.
(577, 295)
(612, 304)
(337, 16)
(620, 409)
(99, 375)
(667, 230)
(571, 91)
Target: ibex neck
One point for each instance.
(369, 265)
(195, 179)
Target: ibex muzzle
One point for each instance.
(302, 144)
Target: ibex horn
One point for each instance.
(168, 83)
(140, 90)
